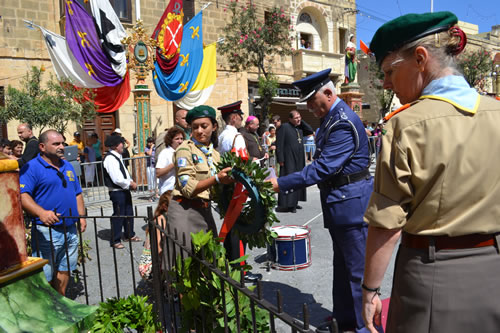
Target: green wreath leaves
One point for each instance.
(254, 212)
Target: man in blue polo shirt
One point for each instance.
(49, 190)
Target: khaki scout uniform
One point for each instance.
(187, 212)
(437, 175)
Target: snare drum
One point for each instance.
(292, 247)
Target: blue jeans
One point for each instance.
(42, 248)
(122, 206)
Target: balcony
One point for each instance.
(306, 62)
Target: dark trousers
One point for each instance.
(349, 243)
(232, 246)
(122, 206)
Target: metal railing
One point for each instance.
(102, 273)
(92, 179)
(169, 313)
(113, 273)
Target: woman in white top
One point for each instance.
(165, 170)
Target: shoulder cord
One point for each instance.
(344, 118)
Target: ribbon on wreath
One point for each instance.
(240, 196)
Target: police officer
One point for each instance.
(340, 168)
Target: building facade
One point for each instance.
(325, 24)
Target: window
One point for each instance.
(123, 8)
(306, 18)
(188, 9)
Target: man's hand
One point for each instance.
(266, 156)
(48, 217)
(133, 185)
(282, 163)
(83, 224)
(276, 187)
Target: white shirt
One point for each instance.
(112, 166)
(226, 139)
(165, 158)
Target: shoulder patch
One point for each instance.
(184, 179)
(181, 162)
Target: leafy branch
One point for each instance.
(52, 107)
(476, 66)
(254, 41)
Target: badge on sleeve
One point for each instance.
(181, 162)
(184, 179)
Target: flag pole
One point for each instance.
(31, 24)
(205, 6)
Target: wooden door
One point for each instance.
(103, 124)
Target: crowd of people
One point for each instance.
(427, 190)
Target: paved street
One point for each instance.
(311, 286)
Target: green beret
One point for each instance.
(201, 111)
(408, 28)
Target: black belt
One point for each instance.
(342, 180)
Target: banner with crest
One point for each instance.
(177, 84)
(168, 34)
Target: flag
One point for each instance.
(65, 64)
(109, 99)
(175, 85)
(364, 48)
(111, 32)
(82, 39)
(106, 99)
(204, 84)
(168, 34)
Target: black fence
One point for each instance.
(114, 273)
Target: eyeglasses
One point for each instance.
(61, 176)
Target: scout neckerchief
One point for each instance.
(207, 150)
(454, 90)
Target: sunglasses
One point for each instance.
(61, 176)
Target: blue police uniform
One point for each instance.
(340, 168)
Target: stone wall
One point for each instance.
(21, 48)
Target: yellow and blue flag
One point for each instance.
(177, 84)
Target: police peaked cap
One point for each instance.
(201, 111)
(230, 108)
(408, 28)
(312, 84)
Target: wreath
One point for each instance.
(257, 214)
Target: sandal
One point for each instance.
(118, 246)
(134, 239)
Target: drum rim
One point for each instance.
(306, 233)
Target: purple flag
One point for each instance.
(83, 41)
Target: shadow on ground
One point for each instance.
(294, 300)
